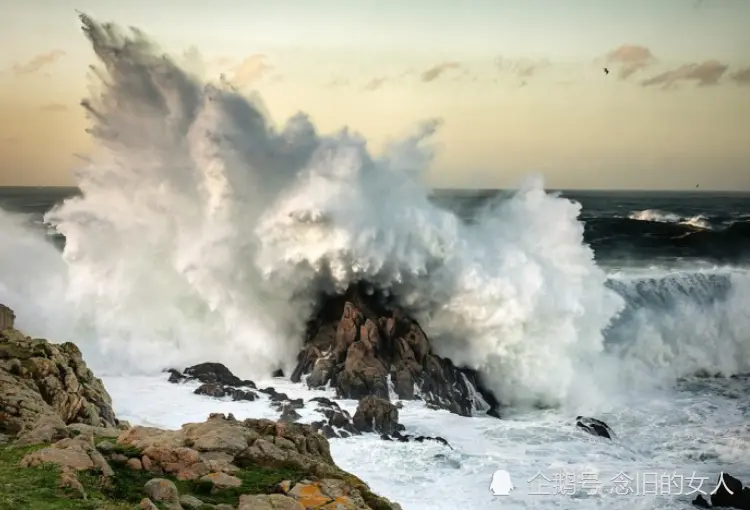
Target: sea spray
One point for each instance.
(206, 233)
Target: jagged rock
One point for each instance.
(338, 422)
(358, 343)
(376, 415)
(45, 386)
(594, 427)
(7, 318)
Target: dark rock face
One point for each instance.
(215, 373)
(218, 381)
(358, 342)
(594, 427)
(729, 493)
(337, 423)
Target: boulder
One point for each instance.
(363, 346)
(594, 427)
(46, 386)
(376, 415)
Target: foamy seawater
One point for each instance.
(669, 446)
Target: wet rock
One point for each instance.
(277, 373)
(288, 414)
(701, 502)
(238, 395)
(359, 342)
(337, 421)
(594, 427)
(209, 373)
(211, 390)
(376, 415)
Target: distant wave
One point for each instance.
(645, 238)
(698, 221)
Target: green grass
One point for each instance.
(38, 488)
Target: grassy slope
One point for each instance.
(38, 488)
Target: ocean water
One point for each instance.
(199, 231)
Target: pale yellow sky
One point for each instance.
(519, 85)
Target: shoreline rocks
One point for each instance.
(54, 412)
(363, 347)
(44, 387)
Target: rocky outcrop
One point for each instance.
(362, 345)
(45, 386)
(218, 381)
(594, 427)
(217, 459)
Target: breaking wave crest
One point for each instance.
(205, 232)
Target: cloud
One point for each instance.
(523, 67)
(742, 77)
(250, 69)
(706, 73)
(630, 59)
(375, 83)
(434, 72)
(38, 62)
(9, 139)
(54, 107)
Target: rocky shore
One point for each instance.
(62, 447)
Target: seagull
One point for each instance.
(606, 71)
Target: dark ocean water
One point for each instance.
(622, 227)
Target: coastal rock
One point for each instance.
(594, 427)
(45, 386)
(221, 458)
(209, 373)
(361, 345)
(376, 415)
(338, 422)
(730, 493)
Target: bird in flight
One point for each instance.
(606, 71)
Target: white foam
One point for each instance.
(204, 233)
(663, 433)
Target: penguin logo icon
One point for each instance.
(501, 484)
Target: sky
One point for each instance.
(519, 85)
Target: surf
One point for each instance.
(204, 231)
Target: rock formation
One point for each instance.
(594, 427)
(359, 344)
(40, 381)
(55, 413)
